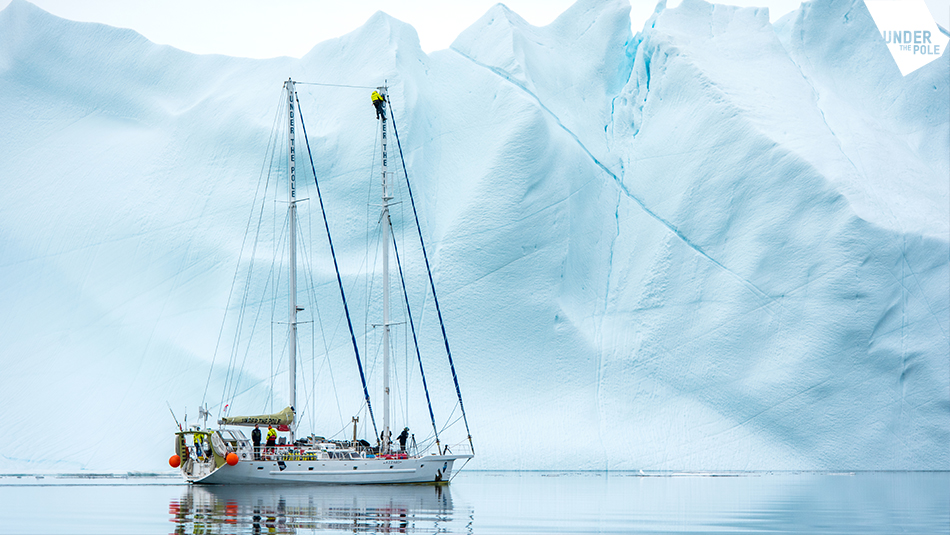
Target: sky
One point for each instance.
(270, 28)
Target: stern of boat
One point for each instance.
(203, 452)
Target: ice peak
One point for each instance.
(22, 6)
(397, 30)
(381, 34)
(503, 11)
(584, 13)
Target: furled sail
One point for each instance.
(284, 417)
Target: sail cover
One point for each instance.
(284, 417)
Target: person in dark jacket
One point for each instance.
(256, 439)
(402, 439)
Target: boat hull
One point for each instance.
(428, 469)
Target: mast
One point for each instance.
(292, 241)
(384, 219)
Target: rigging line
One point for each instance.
(450, 424)
(237, 269)
(459, 470)
(313, 376)
(338, 433)
(368, 328)
(396, 393)
(402, 230)
(275, 278)
(336, 267)
(273, 298)
(302, 412)
(312, 294)
(313, 330)
(335, 85)
(314, 371)
(369, 284)
(435, 299)
(448, 419)
(275, 273)
(415, 339)
(368, 279)
(240, 370)
(233, 376)
(237, 373)
(306, 394)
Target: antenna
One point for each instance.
(203, 414)
(173, 415)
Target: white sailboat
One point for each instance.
(225, 455)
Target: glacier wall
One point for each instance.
(714, 243)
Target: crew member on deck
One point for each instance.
(256, 439)
(271, 438)
(199, 445)
(379, 102)
(402, 440)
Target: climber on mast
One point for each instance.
(379, 102)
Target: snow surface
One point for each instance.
(714, 244)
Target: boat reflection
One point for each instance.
(287, 509)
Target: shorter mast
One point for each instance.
(384, 221)
(336, 269)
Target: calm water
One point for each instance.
(492, 502)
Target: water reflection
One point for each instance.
(289, 509)
(868, 503)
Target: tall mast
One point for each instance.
(387, 433)
(292, 241)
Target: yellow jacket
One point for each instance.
(377, 97)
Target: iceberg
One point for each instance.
(712, 243)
